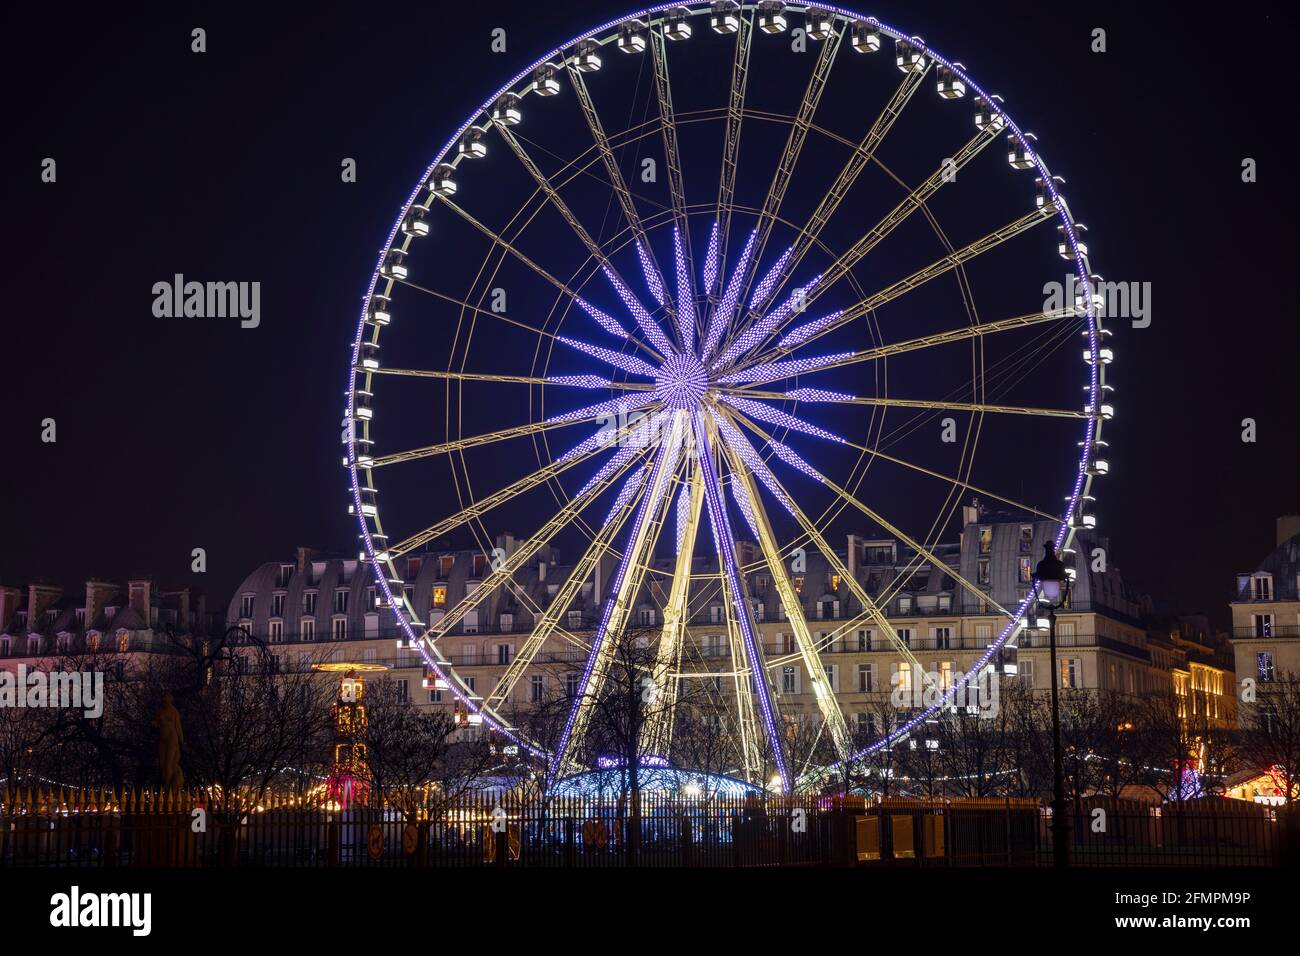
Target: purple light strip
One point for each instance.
(726, 309)
(604, 319)
(738, 443)
(580, 381)
(818, 395)
(651, 274)
(788, 455)
(626, 493)
(775, 371)
(685, 295)
(683, 515)
(615, 406)
(711, 261)
(628, 363)
(598, 641)
(799, 334)
(643, 319)
(726, 540)
(1081, 270)
(639, 438)
(764, 288)
(764, 327)
(773, 416)
(742, 502)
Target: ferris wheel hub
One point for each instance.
(682, 382)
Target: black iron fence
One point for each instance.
(43, 828)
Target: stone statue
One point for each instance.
(170, 738)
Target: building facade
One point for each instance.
(1266, 614)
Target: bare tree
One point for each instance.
(1270, 740)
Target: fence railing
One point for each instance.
(48, 828)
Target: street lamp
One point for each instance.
(1054, 589)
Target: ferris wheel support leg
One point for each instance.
(618, 607)
(658, 733)
(823, 694)
(741, 611)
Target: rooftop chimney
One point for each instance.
(139, 597)
(305, 555)
(9, 600)
(97, 592)
(39, 597)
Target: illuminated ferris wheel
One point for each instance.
(715, 273)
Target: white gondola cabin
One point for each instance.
(546, 80)
(908, 56)
(865, 36)
(394, 266)
(724, 16)
(506, 110)
(415, 224)
(950, 85)
(987, 115)
(587, 59)
(771, 16)
(443, 180)
(677, 24)
(1020, 153)
(632, 36)
(818, 24)
(1063, 242)
(377, 313)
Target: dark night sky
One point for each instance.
(174, 434)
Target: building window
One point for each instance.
(866, 678)
(571, 685)
(1069, 673)
(503, 653)
(339, 629)
(986, 540)
(1264, 666)
(575, 619)
(283, 576)
(404, 690)
(307, 628)
(277, 605)
(830, 677)
(445, 563)
(372, 599)
(4, 646)
(789, 680)
(798, 584)
(1026, 571)
(1263, 624)
(647, 616)
(309, 602)
(440, 595)
(945, 675)
(246, 605)
(435, 696)
(982, 572)
(275, 632)
(480, 562)
(760, 583)
(715, 614)
(469, 683)
(835, 583)
(469, 623)
(942, 638)
(904, 681)
(535, 687)
(1261, 587)
(1026, 539)
(1025, 671)
(341, 601)
(33, 647)
(905, 635)
(123, 642)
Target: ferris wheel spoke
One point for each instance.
(524, 553)
(572, 381)
(470, 307)
(848, 175)
(791, 458)
(602, 318)
(821, 396)
(626, 584)
(656, 737)
(814, 329)
(626, 437)
(740, 447)
(615, 175)
(677, 188)
(547, 623)
(725, 540)
(567, 214)
(731, 144)
(824, 696)
(765, 372)
(793, 147)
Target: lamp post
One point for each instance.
(1054, 588)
